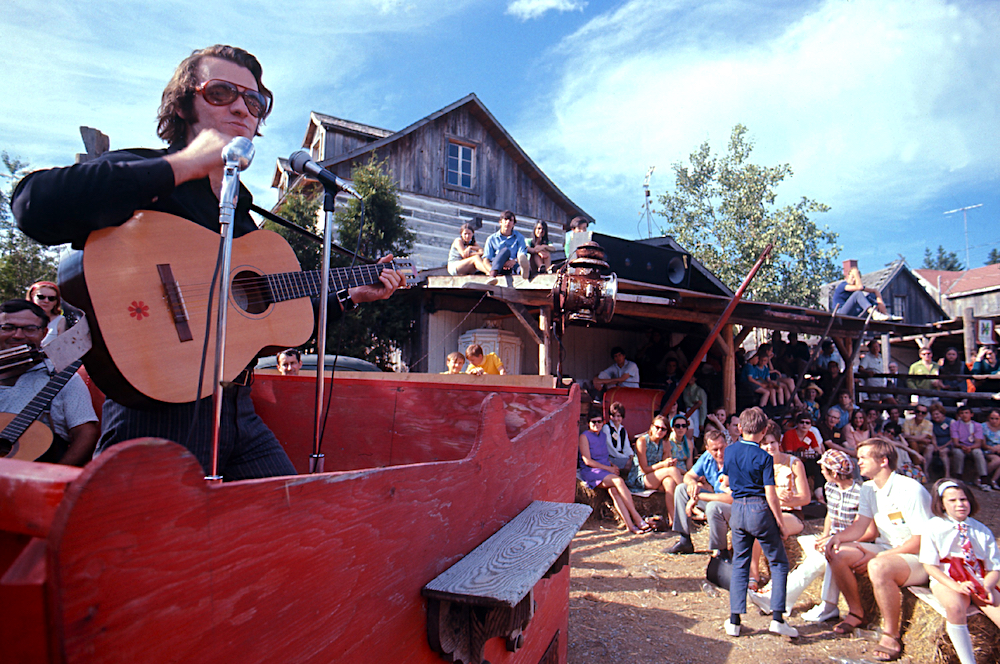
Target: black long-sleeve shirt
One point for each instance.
(62, 205)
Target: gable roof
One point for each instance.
(956, 283)
(492, 126)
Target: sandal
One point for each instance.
(884, 654)
(845, 627)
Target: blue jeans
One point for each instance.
(857, 304)
(752, 520)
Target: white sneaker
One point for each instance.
(731, 629)
(784, 629)
(761, 600)
(820, 613)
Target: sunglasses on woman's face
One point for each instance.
(43, 298)
(681, 425)
(224, 93)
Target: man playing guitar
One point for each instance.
(215, 95)
(71, 412)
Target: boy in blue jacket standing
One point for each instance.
(756, 516)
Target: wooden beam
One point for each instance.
(729, 370)
(545, 349)
(741, 337)
(522, 315)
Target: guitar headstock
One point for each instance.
(406, 268)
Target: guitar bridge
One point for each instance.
(175, 300)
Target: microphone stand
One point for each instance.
(317, 457)
(237, 155)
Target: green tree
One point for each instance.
(302, 211)
(375, 331)
(993, 258)
(22, 260)
(944, 260)
(723, 211)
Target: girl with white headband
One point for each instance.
(960, 555)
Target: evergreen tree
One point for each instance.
(993, 258)
(22, 260)
(944, 260)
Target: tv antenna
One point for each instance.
(965, 219)
(646, 212)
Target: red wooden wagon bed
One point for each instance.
(135, 558)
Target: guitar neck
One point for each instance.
(39, 403)
(293, 285)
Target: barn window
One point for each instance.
(461, 164)
(899, 306)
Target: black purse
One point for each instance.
(719, 571)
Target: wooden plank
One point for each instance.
(503, 569)
(522, 315)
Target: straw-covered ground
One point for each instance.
(631, 603)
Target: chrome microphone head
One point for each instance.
(238, 152)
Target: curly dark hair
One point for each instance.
(178, 96)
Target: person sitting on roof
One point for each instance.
(578, 235)
(506, 250)
(850, 297)
(465, 256)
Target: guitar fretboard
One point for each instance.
(38, 403)
(291, 285)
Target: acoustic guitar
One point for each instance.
(23, 437)
(145, 288)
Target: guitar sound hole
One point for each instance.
(250, 292)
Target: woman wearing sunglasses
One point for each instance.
(596, 470)
(46, 295)
(650, 470)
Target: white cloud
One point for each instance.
(874, 103)
(529, 9)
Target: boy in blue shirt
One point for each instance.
(756, 516)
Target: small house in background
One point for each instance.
(903, 293)
(977, 289)
(457, 165)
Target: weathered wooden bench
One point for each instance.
(489, 592)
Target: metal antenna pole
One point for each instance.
(237, 155)
(965, 219)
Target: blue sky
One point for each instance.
(886, 110)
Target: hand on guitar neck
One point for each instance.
(389, 282)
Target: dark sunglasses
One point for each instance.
(680, 426)
(223, 93)
(50, 298)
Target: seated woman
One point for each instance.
(595, 470)
(729, 425)
(540, 249)
(758, 379)
(792, 487)
(811, 394)
(856, 432)
(46, 295)
(986, 364)
(805, 442)
(650, 470)
(465, 256)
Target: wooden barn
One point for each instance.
(454, 166)
(977, 289)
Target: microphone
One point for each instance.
(238, 152)
(302, 164)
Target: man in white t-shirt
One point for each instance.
(622, 373)
(899, 507)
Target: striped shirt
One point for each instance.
(842, 505)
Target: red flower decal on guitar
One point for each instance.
(138, 309)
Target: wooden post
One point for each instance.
(729, 371)
(886, 349)
(545, 348)
(846, 347)
(969, 334)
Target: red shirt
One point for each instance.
(795, 445)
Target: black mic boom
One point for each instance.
(302, 164)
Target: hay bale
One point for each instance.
(925, 638)
(600, 502)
